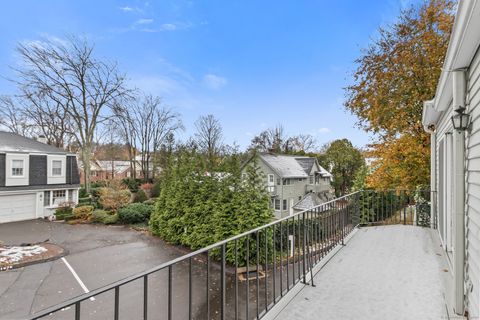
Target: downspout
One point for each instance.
(459, 98)
(433, 176)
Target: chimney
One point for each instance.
(42, 139)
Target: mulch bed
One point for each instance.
(13, 257)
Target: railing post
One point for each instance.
(222, 284)
(145, 297)
(170, 299)
(236, 279)
(342, 223)
(304, 252)
(77, 311)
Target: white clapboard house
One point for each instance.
(35, 178)
(453, 120)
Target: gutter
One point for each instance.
(463, 44)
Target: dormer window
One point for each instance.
(17, 168)
(56, 168)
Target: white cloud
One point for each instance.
(131, 9)
(214, 82)
(168, 27)
(126, 9)
(144, 21)
(324, 130)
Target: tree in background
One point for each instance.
(396, 73)
(84, 86)
(146, 124)
(209, 137)
(12, 117)
(276, 140)
(344, 161)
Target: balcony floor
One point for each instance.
(386, 272)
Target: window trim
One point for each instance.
(271, 179)
(12, 167)
(275, 204)
(53, 167)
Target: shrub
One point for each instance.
(113, 198)
(146, 186)
(150, 201)
(98, 184)
(64, 211)
(85, 201)
(105, 217)
(135, 213)
(155, 191)
(131, 183)
(140, 196)
(82, 193)
(83, 212)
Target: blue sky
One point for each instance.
(252, 64)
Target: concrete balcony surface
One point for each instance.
(384, 272)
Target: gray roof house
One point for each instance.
(295, 183)
(35, 178)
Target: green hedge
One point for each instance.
(135, 213)
(64, 213)
(105, 217)
(196, 210)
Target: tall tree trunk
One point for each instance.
(86, 158)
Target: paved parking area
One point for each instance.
(97, 255)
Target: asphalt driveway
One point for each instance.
(98, 255)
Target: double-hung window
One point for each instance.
(56, 168)
(58, 196)
(17, 168)
(277, 204)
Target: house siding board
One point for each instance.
(2, 169)
(472, 150)
(37, 170)
(72, 174)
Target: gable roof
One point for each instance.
(306, 163)
(12, 142)
(313, 199)
(287, 166)
(284, 166)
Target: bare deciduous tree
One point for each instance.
(276, 140)
(209, 136)
(273, 139)
(12, 117)
(48, 118)
(147, 124)
(83, 85)
(303, 142)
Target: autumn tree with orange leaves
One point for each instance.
(394, 75)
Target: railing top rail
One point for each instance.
(167, 264)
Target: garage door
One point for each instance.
(17, 207)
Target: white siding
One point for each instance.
(472, 242)
(60, 179)
(16, 180)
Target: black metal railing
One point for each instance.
(245, 276)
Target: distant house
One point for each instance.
(295, 183)
(110, 169)
(35, 178)
(101, 170)
(455, 159)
